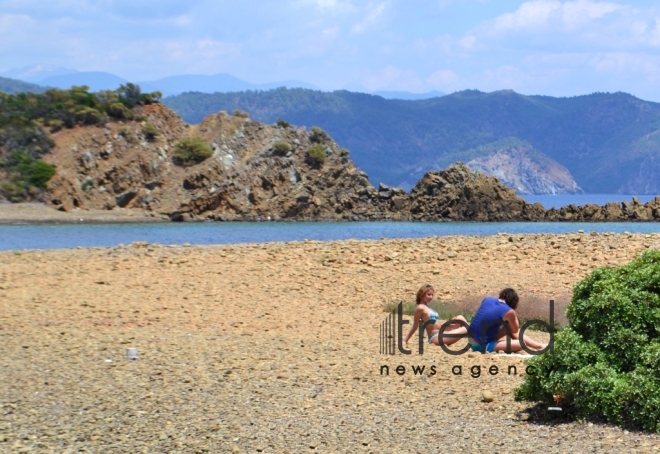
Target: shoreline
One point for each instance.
(40, 214)
(32, 213)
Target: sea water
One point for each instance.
(16, 237)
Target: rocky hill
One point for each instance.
(247, 170)
(609, 142)
(256, 171)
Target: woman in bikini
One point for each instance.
(424, 314)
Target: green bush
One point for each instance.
(343, 152)
(241, 114)
(39, 172)
(119, 111)
(607, 359)
(282, 124)
(281, 147)
(150, 131)
(126, 134)
(191, 150)
(87, 184)
(318, 135)
(316, 154)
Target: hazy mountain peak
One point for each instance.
(36, 73)
(408, 96)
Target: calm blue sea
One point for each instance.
(13, 237)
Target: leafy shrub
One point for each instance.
(87, 184)
(26, 176)
(39, 172)
(150, 131)
(282, 124)
(606, 361)
(191, 150)
(318, 135)
(126, 134)
(343, 152)
(316, 154)
(241, 114)
(55, 125)
(119, 111)
(281, 147)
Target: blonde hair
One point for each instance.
(423, 290)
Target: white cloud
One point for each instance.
(393, 78)
(570, 24)
(374, 14)
(443, 79)
(543, 15)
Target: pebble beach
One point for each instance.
(274, 347)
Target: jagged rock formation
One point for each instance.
(527, 171)
(247, 178)
(458, 193)
(262, 172)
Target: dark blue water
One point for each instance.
(67, 236)
(560, 200)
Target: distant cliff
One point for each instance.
(527, 171)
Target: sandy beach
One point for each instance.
(275, 347)
(39, 213)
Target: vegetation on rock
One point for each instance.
(606, 361)
(191, 150)
(27, 119)
(281, 147)
(150, 131)
(316, 154)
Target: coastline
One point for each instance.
(39, 213)
(258, 345)
(32, 213)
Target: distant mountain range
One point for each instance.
(609, 142)
(12, 86)
(64, 78)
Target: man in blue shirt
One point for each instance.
(495, 318)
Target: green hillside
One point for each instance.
(609, 141)
(13, 86)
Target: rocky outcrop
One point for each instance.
(458, 193)
(527, 171)
(257, 172)
(263, 172)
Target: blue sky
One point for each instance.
(551, 47)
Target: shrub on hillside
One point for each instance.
(191, 150)
(318, 135)
(316, 154)
(282, 123)
(26, 176)
(281, 147)
(241, 114)
(344, 152)
(150, 131)
(606, 361)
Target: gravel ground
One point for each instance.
(272, 348)
(39, 213)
